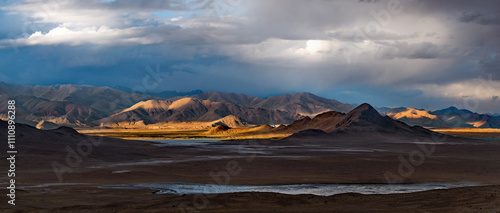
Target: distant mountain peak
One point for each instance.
(365, 109)
(452, 111)
(308, 94)
(297, 96)
(366, 118)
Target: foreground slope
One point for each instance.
(357, 158)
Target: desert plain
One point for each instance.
(70, 172)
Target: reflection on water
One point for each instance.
(292, 189)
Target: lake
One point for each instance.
(292, 189)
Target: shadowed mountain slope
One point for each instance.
(234, 98)
(305, 104)
(104, 99)
(362, 119)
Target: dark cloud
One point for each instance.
(368, 1)
(479, 18)
(424, 50)
(409, 93)
(362, 47)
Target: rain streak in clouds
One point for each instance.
(416, 53)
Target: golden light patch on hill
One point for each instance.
(46, 125)
(218, 129)
(149, 104)
(477, 123)
(185, 130)
(181, 103)
(411, 114)
(451, 118)
(230, 121)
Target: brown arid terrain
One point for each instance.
(84, 106)
(89, 107)
(361, 119)
(303, 103)
(250, 106)
(63, 171)
(190, 109)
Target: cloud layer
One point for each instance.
(396, 52)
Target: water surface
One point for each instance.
(292, 189)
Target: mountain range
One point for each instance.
(88, 106)
(71, 105)
(48, 107)
(449, 117)
(305, 104)
(192, 109)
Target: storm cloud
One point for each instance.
(394, 52)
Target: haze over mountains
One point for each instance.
(88, 106)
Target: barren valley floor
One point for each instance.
(359, 158)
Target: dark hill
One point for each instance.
(363, 119)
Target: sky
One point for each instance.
(415, 53)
